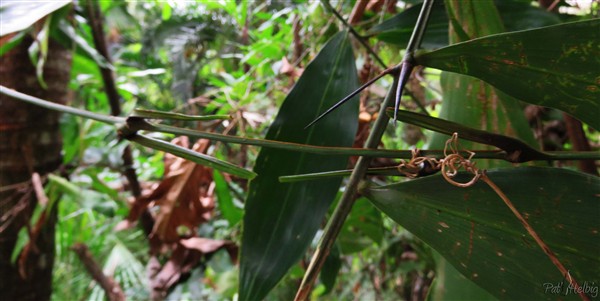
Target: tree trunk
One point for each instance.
(30, 142)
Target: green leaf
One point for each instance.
(166, 11)
(18, 15)
(330, 270)
(69, 33)
(555, 66)
(362, 228)
(153, 114)
(38, 51)
(475, 231)
(227, 207)
(516, 15)
(22, 241)
(193, 156)
(281, 219)
(12, 42)
(450, 284)
(470, 101)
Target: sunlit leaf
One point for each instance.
(18, 15)
(282, 218)
(475, 231)
(555, 66)
(192, 156)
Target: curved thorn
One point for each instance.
(341, 102)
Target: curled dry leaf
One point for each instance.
(183, 198)
(290, 70)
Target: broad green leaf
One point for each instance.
(475, 231)
(555, 66)
(281, 219)
(12, 42)
(470, 101)
(516, 15)
(18, 15)
(450, 284)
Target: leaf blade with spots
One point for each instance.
(479, 236)
(555, 66)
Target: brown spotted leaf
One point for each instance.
(475, 232)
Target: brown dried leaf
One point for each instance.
(289, 69)
(186, 256)
(183, 198)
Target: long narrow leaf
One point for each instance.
(281, 219)
(555, 66)
(193, 156)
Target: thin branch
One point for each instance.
(38, 187)
(354, 33)
(108, 77)
(95, 20)
(344, 206)
(135, 124)
(61, 108)
(111, 288)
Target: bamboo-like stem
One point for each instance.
(140, 124)
(344, 206)
(60, 108)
